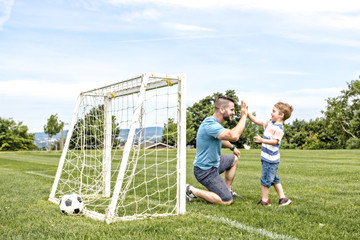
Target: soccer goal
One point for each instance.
(125, 151)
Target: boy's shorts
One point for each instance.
(269, 173)
(212, 180)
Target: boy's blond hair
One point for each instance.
(284, 108)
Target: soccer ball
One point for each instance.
(71, 204)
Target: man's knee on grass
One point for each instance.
(220, 201)
(226, 199)
(216, 199)
(227, 203)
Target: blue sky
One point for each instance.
(301, 52)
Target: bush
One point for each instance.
(353, 143)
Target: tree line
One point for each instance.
(338, 128)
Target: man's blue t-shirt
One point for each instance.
(208, 147)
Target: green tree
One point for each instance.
(14, 136)
(307, 135)
(343, 114)
(190, 129)
(201, 110)
(92, 126)
(52, 127)
(170, 128)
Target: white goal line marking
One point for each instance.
(6, 169)
(49, 176)
(40, 174)
(250, 229)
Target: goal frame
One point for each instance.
(164, 80)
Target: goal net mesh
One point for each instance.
(96, 145)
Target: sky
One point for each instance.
(299, 52)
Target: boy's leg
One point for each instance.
(268, 176)
(279, 190)
(264, 193)
(282, 199)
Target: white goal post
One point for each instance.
(125, 150)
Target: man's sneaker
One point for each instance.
(189, 194)
(267, 203)
(284, 201)
(234, 194)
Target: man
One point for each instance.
(209, 163)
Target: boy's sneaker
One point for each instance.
(234, 194)
(261, 202)
(189, 194)
(284, 201)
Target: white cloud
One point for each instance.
(23, 89)
(5, 11)
(311, 14)
(301, 97)
(184, 27)
(338, 21)
(147, 14)
(290, 73)
(307, 103)
(328, 91)
(274, 5)
(314, 38)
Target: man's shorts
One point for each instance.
(269, 173)
(212, 180)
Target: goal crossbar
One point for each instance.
(127, 87)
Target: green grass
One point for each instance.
(324, 187)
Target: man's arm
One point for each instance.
(227, 144)
(232, 147)
(234, 134)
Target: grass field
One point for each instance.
(324, 187)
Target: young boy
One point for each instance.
(270, 156)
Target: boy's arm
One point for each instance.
(259, 139)
(255, 119)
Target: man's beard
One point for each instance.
(226, 117)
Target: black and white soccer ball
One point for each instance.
(71, 204)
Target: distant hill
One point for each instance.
(41, 138)
(151, 134)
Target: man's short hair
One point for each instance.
(223, 102)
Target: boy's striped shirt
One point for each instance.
(270, 153)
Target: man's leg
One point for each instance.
(230, 174)
(209, 196)
(218, 192)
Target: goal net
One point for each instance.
(125, 150)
